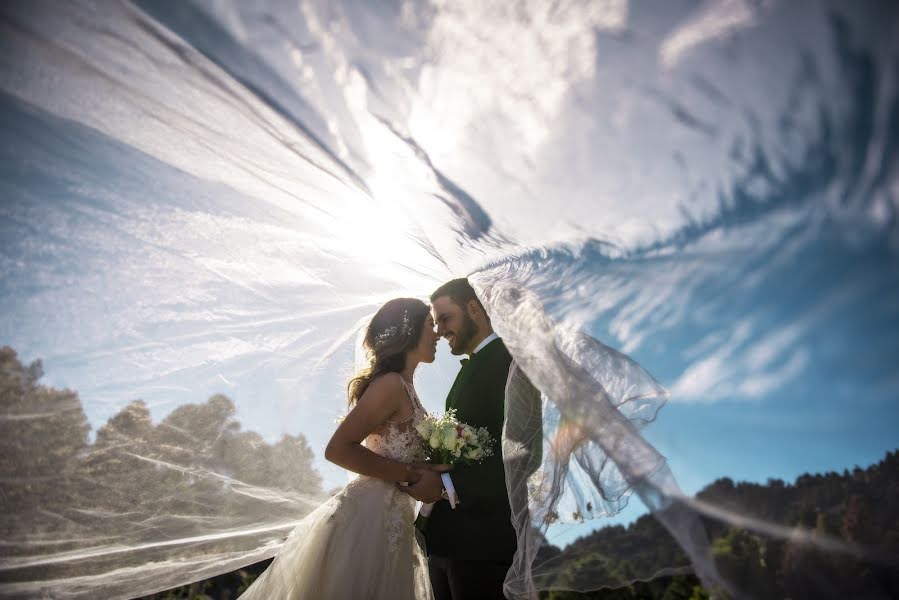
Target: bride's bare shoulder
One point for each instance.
(384, 396)
(387, 385)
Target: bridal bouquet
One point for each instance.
(451, 442)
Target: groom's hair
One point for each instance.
(459, 291)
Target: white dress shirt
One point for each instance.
(483, 343)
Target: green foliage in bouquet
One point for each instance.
(449, 441)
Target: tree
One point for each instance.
(42, 435)
(292, 463)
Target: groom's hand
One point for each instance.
(428, 488)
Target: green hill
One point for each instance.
(840, 540)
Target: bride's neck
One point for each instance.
(408, 372)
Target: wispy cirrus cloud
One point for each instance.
(712, 21)
(742, 367)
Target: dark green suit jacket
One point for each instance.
(480, 527)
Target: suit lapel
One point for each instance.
(466, 375)
(465, 379)
(462, 378)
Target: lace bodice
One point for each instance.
(398, 439)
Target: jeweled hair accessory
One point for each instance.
(403, 330)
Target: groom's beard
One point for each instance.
(464, 336)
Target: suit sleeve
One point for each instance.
(523, 422)
(481, 486)
(518, 446)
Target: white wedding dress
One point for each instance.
(360, 544)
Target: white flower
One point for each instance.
(424, 429)
(434, 441)
(473, 453)
(449, 438)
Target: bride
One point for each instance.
(360, 543)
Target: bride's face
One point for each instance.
(426, 349)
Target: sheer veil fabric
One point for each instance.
(203, 203)
(578, 454)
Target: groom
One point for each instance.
(470, 548)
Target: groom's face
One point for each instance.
(455, 324)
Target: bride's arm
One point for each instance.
(381, 400)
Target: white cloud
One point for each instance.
(714, 20)
(743, 368)
(512, 62)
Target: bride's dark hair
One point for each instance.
(393, 332)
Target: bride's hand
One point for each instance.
(440, 468)
(413, 474)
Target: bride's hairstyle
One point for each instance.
(393, 332)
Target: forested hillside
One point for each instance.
(855, 514)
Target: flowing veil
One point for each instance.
(578, 455)
(203, 204)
